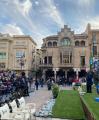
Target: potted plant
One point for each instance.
(55, 90)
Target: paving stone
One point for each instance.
(40, 97)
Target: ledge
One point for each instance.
(89, 115)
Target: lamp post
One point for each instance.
(92, 50)
(22, 61)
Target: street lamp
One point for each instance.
(22, 61)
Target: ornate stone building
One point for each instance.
(68, 50)
(16, 52)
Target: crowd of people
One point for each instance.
(12, 83)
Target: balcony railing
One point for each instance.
(66, 65)
(46, 65)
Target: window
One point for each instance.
(71, 58)
(49, 44)
(65, 58)
(50, 59)
(45, 60)
(54, 44)
(66, 42)
(94, 38)
(2, 55)
(94, 50)
(60, 57)
(2, 65)
(82, 61)
(20, 54)
(82, 43)
(77, 43)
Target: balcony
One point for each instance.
(46, 65)
(43, 48)
(66, 65)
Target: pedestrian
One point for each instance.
(24, 84)
(49, 83)
(36, 84)
(89, 81)
(42, 82)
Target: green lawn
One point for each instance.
(93, 106)
(68, 106)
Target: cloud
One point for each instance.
(87, 3)
(37, 3)
(24, 7)
(51, 10)
(11, 29)
(23, 18)
(94, 21)
(23, 13)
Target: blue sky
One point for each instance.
(40, 18)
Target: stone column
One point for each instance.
(62, 57)
(65, 73)
(77, 73)
(55, 73)
(69, 56)
(43, 76)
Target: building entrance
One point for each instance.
(49, 73)
(71, 74)
(82, 73)
(61, 73)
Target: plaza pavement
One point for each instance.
(40, 96)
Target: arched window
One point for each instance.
(77, 43)
(65, 42)
(49, 44)
(54, 44)
(82, 43)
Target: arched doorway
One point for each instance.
(49, 73)
(71, 74)
(82, 73)
(60, 73)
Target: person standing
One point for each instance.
(89, 81)
(24, 84)
(42, 82)
(36, 84)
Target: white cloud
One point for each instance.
(94, 22)
(87, 3)
(11, 29)
(24, 7)
(51, 10)
(23, 13)
(37, 3)
(22, 18)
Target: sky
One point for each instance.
(41, 18)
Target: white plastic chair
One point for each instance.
(84, 83)
(4, 112)
(29, 107)
(17, 113)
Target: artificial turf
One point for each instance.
(68, 106)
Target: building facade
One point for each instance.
(68, 50)
(16, 52)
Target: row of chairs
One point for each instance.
(17, 110)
